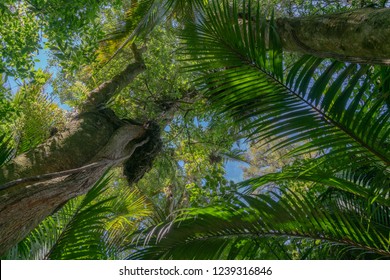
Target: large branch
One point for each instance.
(360, 36)
(103, 93)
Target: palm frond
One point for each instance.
(236, 155)
(129, 209)
(145, 15)
(5, 150)
(221, 232)
(369, 183)
(326, 107)
(372, 210)
(81, 237)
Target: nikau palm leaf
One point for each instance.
(149, 14)
(5, 150)
(82, 235)
(128, 210)
(330, 106)
(74, 232)
(371, 185)
(221, 232)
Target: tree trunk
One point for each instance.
(23, 206)
(359, 36)
(36, 183)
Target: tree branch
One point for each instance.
(103, 93)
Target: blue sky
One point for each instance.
(234, 171)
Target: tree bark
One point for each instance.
(359, 36)
(25, 205)
(36, 183)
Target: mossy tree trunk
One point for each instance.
(360, 36)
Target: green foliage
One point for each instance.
(189, 171)
(73, 29)
(20, 40)
(161, 85)
(7, 113)
(263, 159)
(328, 108)
(144, 15)
(7, 108)
(70, 29)
(37, 115)
(242, 230)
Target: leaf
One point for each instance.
(217, 231)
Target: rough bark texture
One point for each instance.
(83, 136)
(361, 36)
(23, 206)
(36, 183)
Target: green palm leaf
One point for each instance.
(129, 209)
(369, 183)
(145, 15)
(241, 230)
(5, 150)
(81, 235)
(322, 106)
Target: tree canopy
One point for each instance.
(118, 148)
